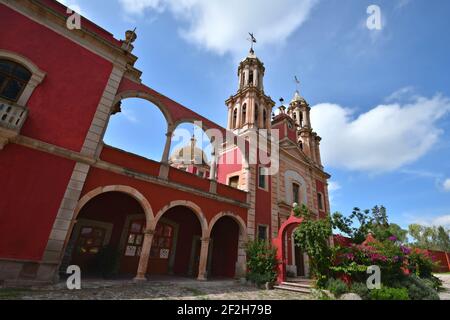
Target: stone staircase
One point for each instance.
(300, 285)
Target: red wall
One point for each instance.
(159, 196)
(31, 193)
(63, 105)
(224, 168)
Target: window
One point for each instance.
(320, 201)
(300, 143)
(234, 118)
(296, 192)
(262, 233)
(244, 113)
(256, 112)
(13, 80)
(234, 182)
(250, 78)
(262, 178)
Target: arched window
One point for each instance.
(250, 78)
(234, 118)
(244, 113)
(13, 80)
(256, 113)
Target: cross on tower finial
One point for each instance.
(297, 83)
(252, 40)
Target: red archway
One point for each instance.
(287, 227)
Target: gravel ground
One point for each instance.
(173, 289)
(445, 294)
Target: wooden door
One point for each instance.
(299, 261)
(133, 246)
(90, 241)
(161, 251)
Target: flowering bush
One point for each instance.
(261, 262)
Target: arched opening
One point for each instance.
(176, 243)
(234, 118)
(137, 126)
(224, 248)
(108, 236)
(191, 150)
(244, 114)
(256, 113)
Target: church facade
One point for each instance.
(70, 199)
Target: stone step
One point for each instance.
(297, 284)
(292, 289)
(299, 280)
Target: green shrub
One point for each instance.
(261, 262)
(387, 293)
(337, 287)
(421, 264)
(361, 290)
(418, 289)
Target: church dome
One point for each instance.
(189, 154)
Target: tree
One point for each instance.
(312, 235)
(431, 238)
(358, 225)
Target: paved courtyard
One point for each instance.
(164, 289)
(172, 289)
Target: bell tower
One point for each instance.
(299, 110)
(250, 108)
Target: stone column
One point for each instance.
(145, 255)
(230, 118)
(202, 272)
(213, 168)
(165, 156)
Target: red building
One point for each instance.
(67, 198)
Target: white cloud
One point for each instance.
(443, 220)
(446, 185)
(129, 115)
(333, 186)
(381, 139)
(221, 26)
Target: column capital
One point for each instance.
(206, 239)
(149, 232)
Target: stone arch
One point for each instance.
(278, 243)
(37, 75)
(118, 188)
(293, 176)
(189, 204)
(146, 96)
(240, 266)
(235, 217)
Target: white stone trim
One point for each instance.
(37, 75)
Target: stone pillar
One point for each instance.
(230, 118)
(165, 156)
(213, 168)
(145, 255)
(202, 272)
(241, 262)
(318, 157)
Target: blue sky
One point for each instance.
(380, 98)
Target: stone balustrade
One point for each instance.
(12, 118)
